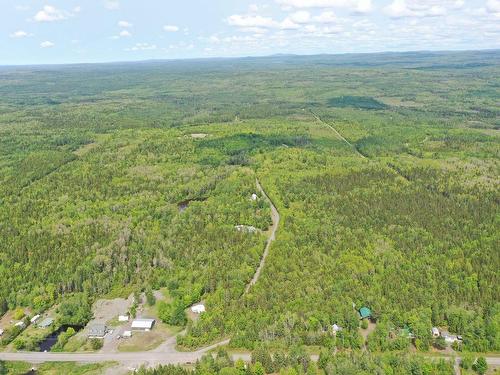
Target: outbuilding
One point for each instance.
(97, 331)
(123, 318)
(35, 319)
(46, 323)
(254, 197)
(142, 324)
(127, 334)
(1, 331)
(21, 325)
(365, 313)
(198, 309)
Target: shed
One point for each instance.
(46, 323)
(97, 331)
(336, 328)
(20, 325)
(127, 334)
(198, 309)
(143, 324)
(35, 319)
(123, 318)
(365, 312)
(1, 331)
(254, 197)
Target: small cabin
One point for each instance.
(123, 318)
(127, 334)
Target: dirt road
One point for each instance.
(272, 236)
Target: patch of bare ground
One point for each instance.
(199, 135)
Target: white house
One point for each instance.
(198, 309)
(435, 332)
(142, 324)
(123, 318)
(336, 328)
(35, 319)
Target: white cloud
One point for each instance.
(142, 47)
(362, 6)
(493, 6)
(125, 33)
(171, 28)
(302, 16)
(422, 8)
(251, 21)
(20, 34)
(112, 4)
(47, 44)
(124, 24)
(288, 24)
(22, 8)
(50, 14)
(326, 17)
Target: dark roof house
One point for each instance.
(97, 331)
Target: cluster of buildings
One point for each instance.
(448, 337)
(100, 330)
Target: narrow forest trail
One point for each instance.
(337, 133)
(272, 236)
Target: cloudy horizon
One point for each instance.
(70, 31)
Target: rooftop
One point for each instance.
(47, 322)
(365, 312)
(143, 323)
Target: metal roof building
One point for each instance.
(365, 312)
(143, 324)
(47, 322)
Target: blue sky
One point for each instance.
(67, 31)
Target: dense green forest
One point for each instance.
(117, 178)
(297, 362)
